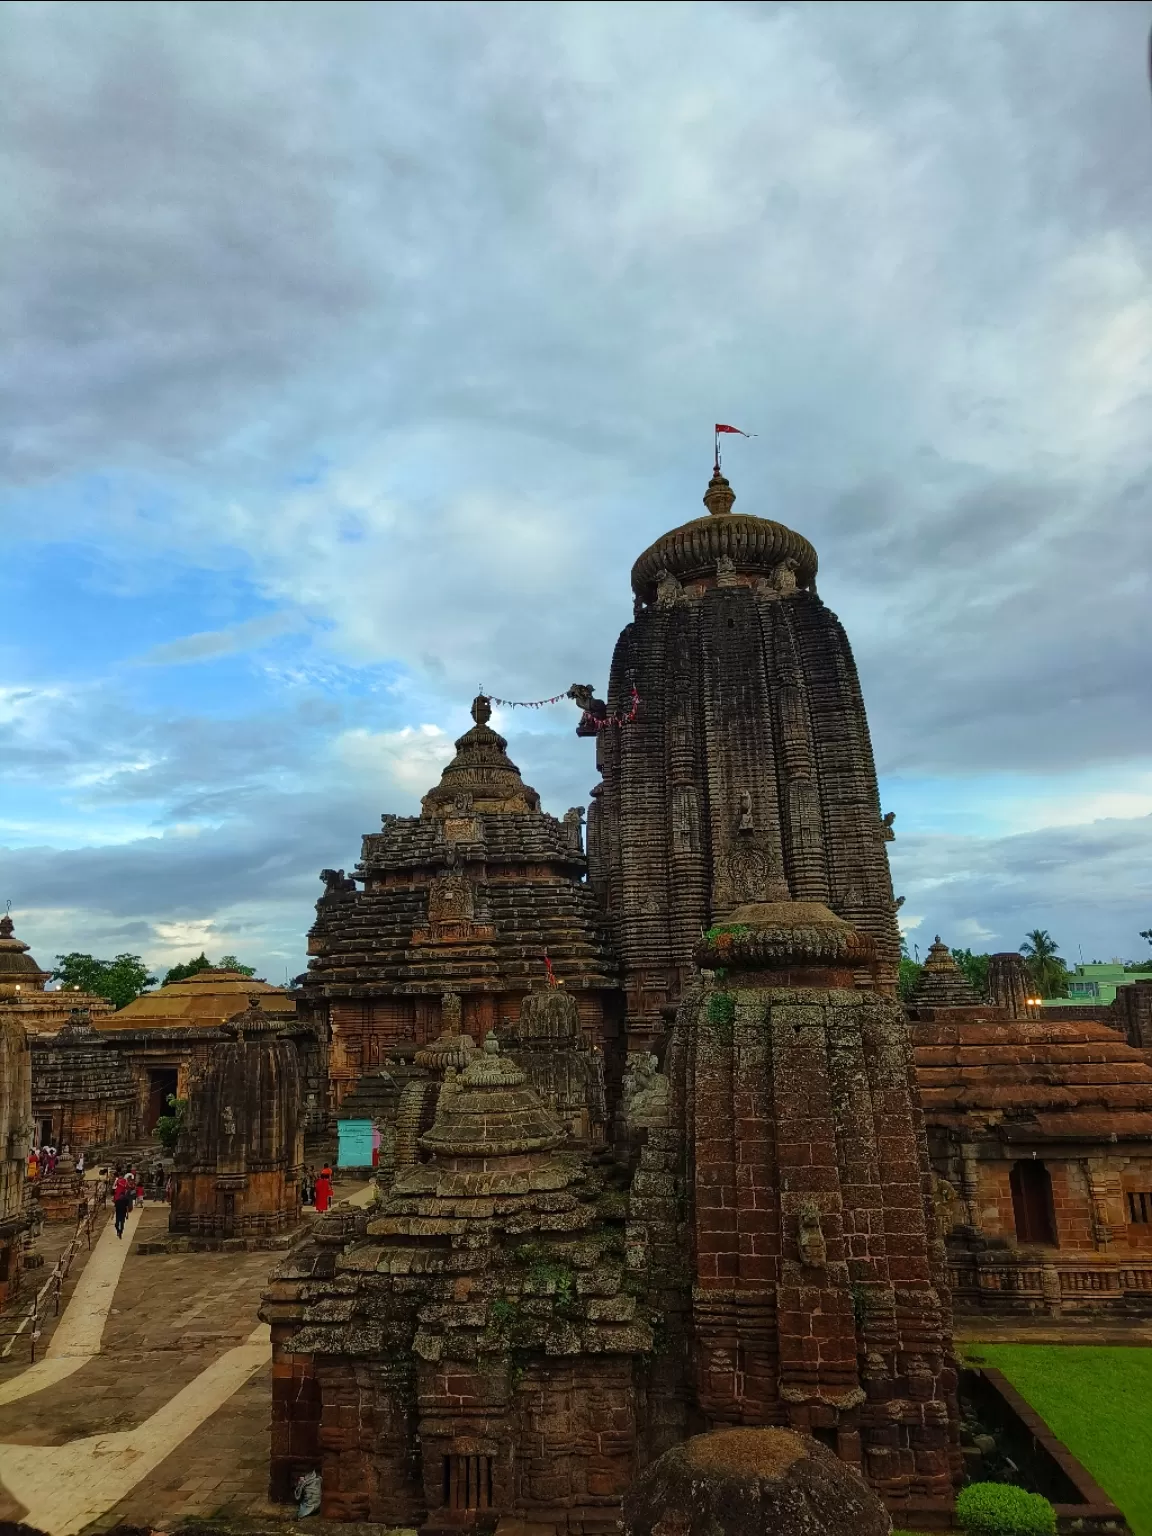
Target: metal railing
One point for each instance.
(48, 1296)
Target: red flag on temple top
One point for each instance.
(552, 982)
(720, 427)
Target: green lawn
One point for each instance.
(1097, 1399)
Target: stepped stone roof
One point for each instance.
(204, 1000)
(76, 1065)
(941, 983)
(468, 896)
(1032, 1079)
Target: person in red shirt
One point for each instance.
(122, 1201)
(323, 1196)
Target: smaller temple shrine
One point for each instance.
(480, 899)
(472, 1346)
(240, 1152)
(1040, 1136)
(24, 994)
(83, 1094)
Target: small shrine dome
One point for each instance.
(18, 971)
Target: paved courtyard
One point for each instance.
(149, 1399)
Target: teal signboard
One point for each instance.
(355, 1144)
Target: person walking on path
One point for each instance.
(322, 1198)
(122, 1202)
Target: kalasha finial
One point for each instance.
(481, 709)
(719, 496)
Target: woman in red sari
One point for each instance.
(323, 1198)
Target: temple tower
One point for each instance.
(819, 1295)
(240, 1151)
(746, 772)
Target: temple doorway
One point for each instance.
(1032, 1203)
(161, 1085)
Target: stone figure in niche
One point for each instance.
(784, 576)
(945, 1205)
(462, 804)
(646, 1092)
(726, 571)
(810, 1237)
(450, 899)
(685, 820)
(668, 589)
(573, 826)
(888, 834)
(745, 872)
(763, 588)
(228, 1121)
(336, 880)
(746, 823)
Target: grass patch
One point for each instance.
(1098, 1400)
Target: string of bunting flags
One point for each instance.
(598, 721)
(557, 698)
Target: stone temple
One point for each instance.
(528, 1317)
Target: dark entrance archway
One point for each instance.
(1032, 1203)
(161, 1084)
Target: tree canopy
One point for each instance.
(975, 968)
(119, 980)
(1048, 971)
(202, 963)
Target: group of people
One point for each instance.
(316, 1188)
(42, 1161)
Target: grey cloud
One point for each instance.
(221, 642)
(495, 269)
(1091, 886)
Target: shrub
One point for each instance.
(999, 1509)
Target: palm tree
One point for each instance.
(1045, 966)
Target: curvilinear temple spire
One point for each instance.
(748, 773)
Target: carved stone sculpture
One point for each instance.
(669, 591)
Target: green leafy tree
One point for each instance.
(975, 968)
(119, 980)
(202, 963)
(230, 963)
(168, 1127)
(909, 971)
(1048, 971)
(188, 968)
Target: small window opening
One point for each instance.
(468, 1482)
(1140, 1207)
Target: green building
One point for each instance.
(1095, 985)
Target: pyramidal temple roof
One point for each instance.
(941, 983)
(481, 777)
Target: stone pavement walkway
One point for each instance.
(76, 1338)
(151, 1403)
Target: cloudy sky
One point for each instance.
(351, 353)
